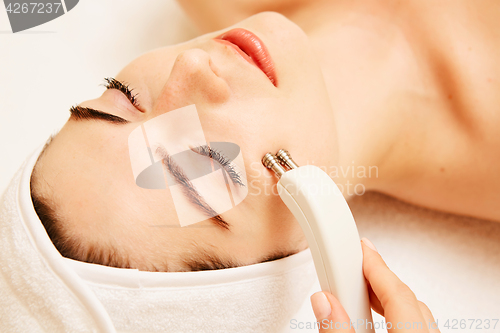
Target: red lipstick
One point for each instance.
(252, 49)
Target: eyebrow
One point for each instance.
(84, 113)
(189, 189)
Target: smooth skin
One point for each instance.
(389, 297)
(414, 87)
(361, 84)
(87, 176)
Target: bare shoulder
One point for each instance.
(448, 158)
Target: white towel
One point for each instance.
(41, 291)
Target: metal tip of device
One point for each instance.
(270, 162)
(285, 158)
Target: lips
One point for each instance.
(252, 49)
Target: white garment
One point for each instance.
(41, 291)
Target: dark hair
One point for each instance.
(69, 247)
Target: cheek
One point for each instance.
(306, 128)
(261, 225)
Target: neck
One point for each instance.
(354, 52)
(356, 169)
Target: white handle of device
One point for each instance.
(327, 222)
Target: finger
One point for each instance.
(429, 318)
(399, 304)
(330, 314)
(374, 301)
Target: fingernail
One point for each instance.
(369, 244)
(321, 306)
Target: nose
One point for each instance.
(193, 80)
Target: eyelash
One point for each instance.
(222, 160)
(112, 83)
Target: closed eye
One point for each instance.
(112, 83)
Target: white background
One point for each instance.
(452, 263)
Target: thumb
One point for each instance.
(330, 314)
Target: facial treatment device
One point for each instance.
(327, 222)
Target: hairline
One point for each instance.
(73, 249)
(68, 247)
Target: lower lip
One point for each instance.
(251, 48)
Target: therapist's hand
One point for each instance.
(389, 297)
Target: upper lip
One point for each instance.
(252, 49)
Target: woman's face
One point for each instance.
(88, 174)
